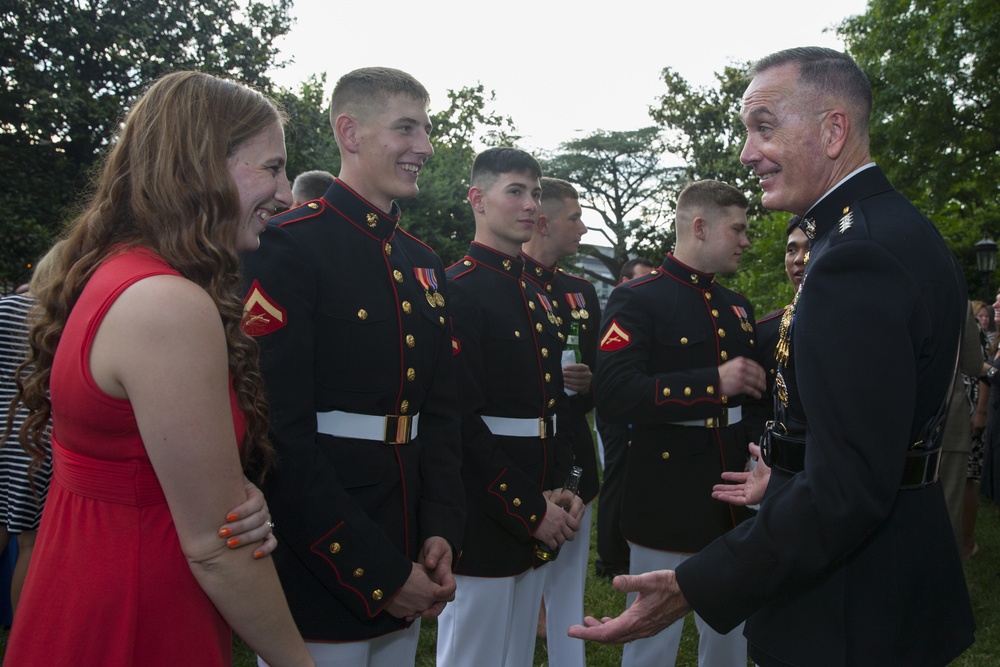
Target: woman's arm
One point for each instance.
(162, 346)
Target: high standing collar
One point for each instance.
(685, 274)
(536, 272)
(826, 214)
(361, 212)
(496, 260)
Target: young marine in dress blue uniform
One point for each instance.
(677, 360)
(508, 344)
(352, 317)
(578, 313)
(612, 547)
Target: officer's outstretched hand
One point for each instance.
(745, 488)
(557, 526)
(660, 603)
(742, 376)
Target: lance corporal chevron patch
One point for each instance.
(261, 314)
(615, 338)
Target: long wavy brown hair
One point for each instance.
(164, 185)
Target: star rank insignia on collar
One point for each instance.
(809, 227)
(615, 338)
(847, 221)
(261, 314)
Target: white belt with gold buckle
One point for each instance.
(390, 429)
(543, 427)
(729, 417)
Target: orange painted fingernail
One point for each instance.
(225, 532)
(232, 517)
(258, 554)
(233, 542)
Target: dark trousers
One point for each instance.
(612, 549)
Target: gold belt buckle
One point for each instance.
(718, 422)
(545, 427)
(397, 429)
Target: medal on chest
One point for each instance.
(428, 280)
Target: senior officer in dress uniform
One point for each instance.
(352, 317)
(514, 415)
(557, 234)
(676, 360)
(850, 560)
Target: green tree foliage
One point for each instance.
(440, 215)
(623, 180)
(761, 277)
(309, 139)
(936, 115)
(702, 126)
(68, 70)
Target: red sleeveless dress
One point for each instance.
(108, 584)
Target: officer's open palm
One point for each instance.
(660, 602)
(744, 488)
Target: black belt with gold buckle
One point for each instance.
(788, 454)
(783, 452)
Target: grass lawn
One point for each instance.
(982, 573)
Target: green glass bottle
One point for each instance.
(542, 551)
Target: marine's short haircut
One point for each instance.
(556, 189)
(366, 91)
(710, 193)
(493, 163)
(311, 185)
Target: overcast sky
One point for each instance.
(560, 69)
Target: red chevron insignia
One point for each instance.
(615, 338)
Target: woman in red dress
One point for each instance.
(156, 402)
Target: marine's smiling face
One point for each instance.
(393, 147)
